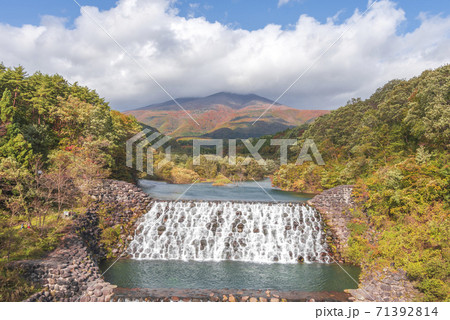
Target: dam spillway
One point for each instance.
(240, 231)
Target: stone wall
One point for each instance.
(71, 272)
(121, 194)
(335, 206)
(118, 203)
(224, 295)
(385, 285)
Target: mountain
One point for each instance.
(233, 100)
(222, 115)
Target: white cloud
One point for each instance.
(283, 2)
(193, 57)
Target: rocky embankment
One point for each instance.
(120, 194)
(71, 272)
(225, 295)
(117, 205)
(336, 206)
(385, 285)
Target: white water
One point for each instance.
(215, 231)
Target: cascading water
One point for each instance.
(215, 231)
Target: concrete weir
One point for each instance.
(238, 231)
(284, 232)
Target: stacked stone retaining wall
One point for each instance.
(389, 284)
(71, 272)
(335, 206)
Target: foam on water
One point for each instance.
(216, 231)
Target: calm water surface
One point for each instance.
(229, 275)
(243, 191)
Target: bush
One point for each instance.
(181, 175)
(13, 287)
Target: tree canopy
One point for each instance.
(394, 147)
(41, 114)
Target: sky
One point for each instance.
(336, 49)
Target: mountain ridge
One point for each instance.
(234, 100)
(222, 115)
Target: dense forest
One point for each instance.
(394, 147)
(56, 140)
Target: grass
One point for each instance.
(13, 286)
(221, 180)
(17, 243)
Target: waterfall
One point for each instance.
(215, 231)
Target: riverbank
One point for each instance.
(71, 272)
(226, 295)
(337, 207)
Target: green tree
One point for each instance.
(6, 107)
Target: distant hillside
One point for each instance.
(395, 148)
(233, 100)
(223, 115)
